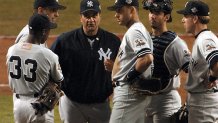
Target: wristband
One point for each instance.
(133, 73)
(212, 78)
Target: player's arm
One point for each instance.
(142, 63)
(213, 72)
(140, 45)
(211, 53)
(213, 75)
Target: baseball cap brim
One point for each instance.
(98, 11)
(58, 6)
(184, 12)
(114, 7)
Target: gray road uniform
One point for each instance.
(171, 55)
(23, 35)
(202, 102)
(30, 67)
(129, 108)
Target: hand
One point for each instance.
(132, 75)
(211, 85)
(108, 65)
(212, 82)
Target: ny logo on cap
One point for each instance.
(89, 4)
(194, 10)
(128, 1)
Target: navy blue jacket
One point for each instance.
(85, 78)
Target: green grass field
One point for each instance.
(15, 13)
(6, 110)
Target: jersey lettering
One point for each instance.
(15, 70)
(103, 54)
(17, 66)
(31, 70)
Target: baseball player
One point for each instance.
(29, 68)
(47, 7)
(171, 55)
(134, 59)
(86, 56)
(202, 75)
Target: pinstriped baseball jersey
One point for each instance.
(204, 52)
(136, 42)
(30, 66)
(23, 35)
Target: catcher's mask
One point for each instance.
(158, 6)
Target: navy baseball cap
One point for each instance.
(38, 22)
(120, 3)
(48, 3)
(87, 5)
(195, 7)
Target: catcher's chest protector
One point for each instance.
(160, 44)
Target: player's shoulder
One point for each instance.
(207, 35)
(22, 36)
(25, 29)
(137, 28)
(11, 48)
(47, 51)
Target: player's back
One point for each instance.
(28, 67)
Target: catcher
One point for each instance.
(171, 55)
(29, 69)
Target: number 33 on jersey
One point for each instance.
(30, 66)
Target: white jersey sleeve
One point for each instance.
(56, 72)
(208, 47)
(177, 56)
(139, 42)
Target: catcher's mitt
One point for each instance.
(181, 116)
(142, 86)
(48, 99)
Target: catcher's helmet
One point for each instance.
(159, 5)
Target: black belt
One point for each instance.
(19, 95)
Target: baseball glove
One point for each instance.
(142, 86)
(48, 99)
(181, 116)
